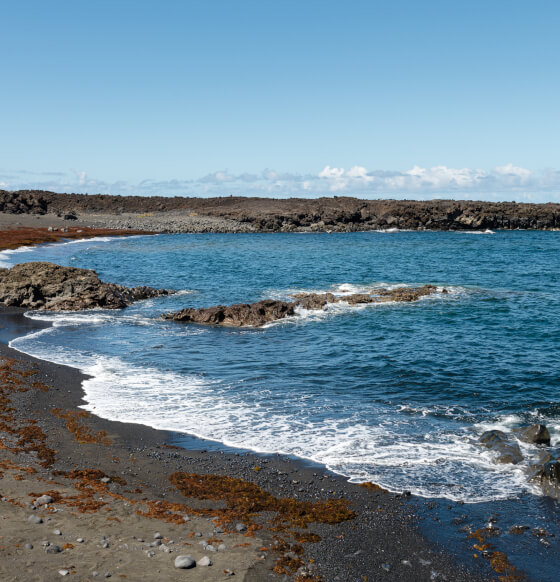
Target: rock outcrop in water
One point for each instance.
(239, 315)
(543, 471)
(262, 312)
(46, 286)
(504, 447)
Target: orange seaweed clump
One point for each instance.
(287, 565)
(499, 561)
(31, 437)
(373, 487)
(28, 236)
(82, 432)
(244, 498)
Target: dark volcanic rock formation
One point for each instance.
(338, 213)
(258, 314)
(507, 451)
(46, 286)
(535, 433)
(239, 315)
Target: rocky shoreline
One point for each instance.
(49, 287)
(241, 214)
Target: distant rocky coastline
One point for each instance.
(269, 310)
(240, 214)
(49, 287)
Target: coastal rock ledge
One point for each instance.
(268, 310)
(49, 287)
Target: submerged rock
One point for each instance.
(46, 286)
(500, 443)
(262, 312)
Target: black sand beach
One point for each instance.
(383, 542)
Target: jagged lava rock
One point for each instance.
(239, 315)
(262, 312)
(46, 286)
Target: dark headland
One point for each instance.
(242, 214)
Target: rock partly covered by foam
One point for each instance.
(46, 286)
(535, 433)
(504, 447)
(268, 310)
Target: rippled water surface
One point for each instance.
(394, 393)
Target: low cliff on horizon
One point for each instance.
(300, 214)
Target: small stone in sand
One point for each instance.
(184, 562)
(28, 546)
(63, 572)
(222, 548)
(106, 480)
(80, 540)
(53, 549)
(205, 561)
(43, 500)
(240, 527)
(157, 536)
(34, 519)
(57, 532)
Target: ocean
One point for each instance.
(394, 393)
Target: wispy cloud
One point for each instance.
(502, 182)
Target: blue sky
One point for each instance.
(400, 99)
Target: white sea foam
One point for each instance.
(342, 307)
(7, 259)
(441, 464)
(487, 231)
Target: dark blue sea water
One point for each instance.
(393, 393)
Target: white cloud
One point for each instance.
(502, 182)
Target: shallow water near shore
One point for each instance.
(395, 393)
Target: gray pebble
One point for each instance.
(105, 545)
(222, 548)
(106, 480)
(34, 519)
(184, 562)
(63, 572)
(43, 500)
(205, 561)
(157, 536)
(150, 553)
(107, 574)
(53, 549)
(197, 535)
(210, 548)
(57, 532)
(80, 540)
(95, 574)
(241, 527)
(28, 546)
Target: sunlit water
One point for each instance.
(397, 394)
